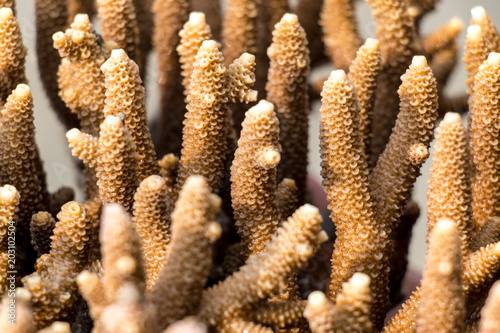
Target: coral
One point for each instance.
(153, 248)
(443, 312)
(350, 312)
(9, 199)
(188, 259)
(363, 73)
(152, 224)
(239, 31)
(449, 194)
(125, 95)
(483, 111)
(79, 72)
(119, 24)
(253, 177)
(340, 34)
(20, 164)
(13, 54)
(51, 17)
(345, 178)
(168, 18)
(287, 89)
(193, 34)
(53, 284)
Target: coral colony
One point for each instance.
(204, 225)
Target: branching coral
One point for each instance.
(9, 199)
(53, 284)
(253, 178)
(345, 178)
(483, 112)
(443, 312)
(153, 248)
(119, 25)
(125, 95)
(350, 312)
(287, 89)
(152, 224)
(20, 165)
(178, 289)
(12, 55)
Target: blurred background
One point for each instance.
(59, 163)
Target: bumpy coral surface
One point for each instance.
(153, 248)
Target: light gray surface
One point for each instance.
(58, 161)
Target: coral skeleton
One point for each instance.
(200, 218)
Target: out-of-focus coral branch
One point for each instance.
(287, 89)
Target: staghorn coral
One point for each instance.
(340, 34)
(350, 312)
(193, 34)
(53, 285)
(208, 112)
(287, 89)
(279, 315)
(122, 262)
(484, 153)
(42, 226)
(116, 164)
(346, 171)
(490, 322)
(443, 312)
(253, 178)
(264, 272)
(20, 165)
(168, 18)
(480, 17)
(363, 73)
(22, 321)
(395, 32)
(116, 290)
(188, 259)
(125, 95)
(449, 194)
(168, 170)
(213, 11)
(476, 52)
(51, 17)
(152, 223)
(9, 199)
(489, 233)
(81, 82)
(443, 36)
(13, 54)
(76, 7)
(239, 32)
(189, 324)
(393, 177)
(286, 194)
(119, 25)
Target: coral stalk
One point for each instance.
(484, 113)
(265, 272)
(253, 177)
(125, 94)
(152, 223)
(449, 194)
(287, 89)
(340, 33)
(179, 287)
(12, 54)
(442, 311)
(345, 170)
